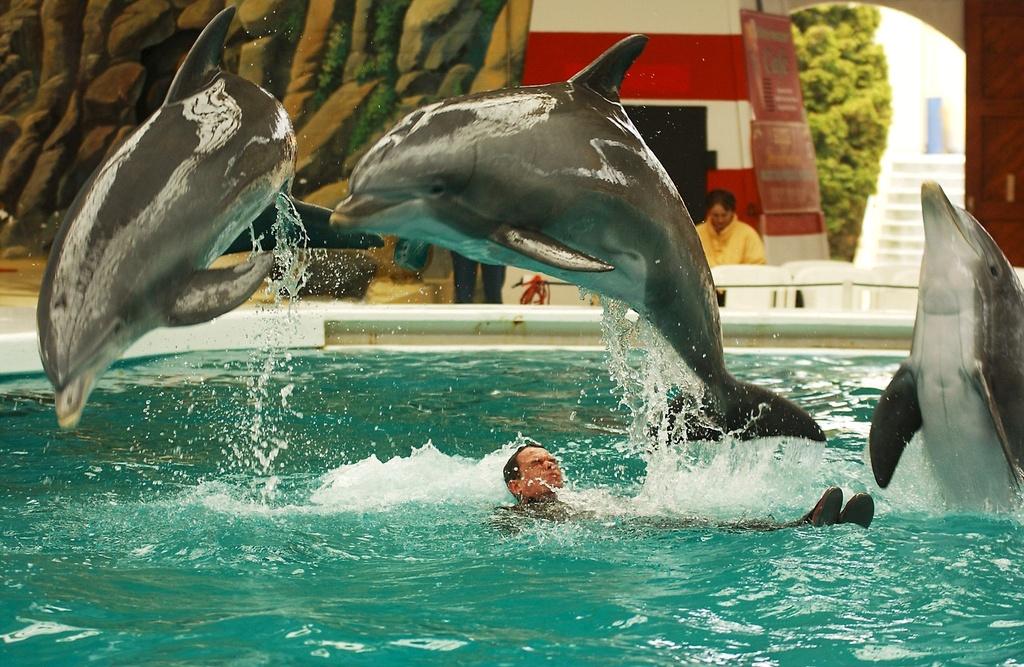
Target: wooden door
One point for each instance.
(995, 120)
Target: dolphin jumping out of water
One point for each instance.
(963, 385)
(133, 250)
(557, 179)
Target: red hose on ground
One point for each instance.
(536, 290)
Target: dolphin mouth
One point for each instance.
(936, 209)
(355, 209)
(71, 398)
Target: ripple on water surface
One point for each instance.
(160, 532)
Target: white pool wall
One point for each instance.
(337, 325)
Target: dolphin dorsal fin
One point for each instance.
(604, 75)
(203, 59)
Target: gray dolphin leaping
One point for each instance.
(963, 385)
(133, 250)
(557, 179)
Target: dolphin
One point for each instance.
(963, 386)
(556, 178)
(133, 250)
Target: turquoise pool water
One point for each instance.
(337, 508)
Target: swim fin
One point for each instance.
(826, 511)
(860, 510)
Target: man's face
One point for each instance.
(539, 475)
(720, 217)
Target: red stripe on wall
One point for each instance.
(672, 67)
(792, 224)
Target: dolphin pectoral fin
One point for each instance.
(978, 377)
(203, 59)
(896, 419)
(412, 255)
(604, 75)
(544, 249)
(214, 292)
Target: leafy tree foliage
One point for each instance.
(843, 73)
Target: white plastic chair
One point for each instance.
(798, 265)
(900, 296)
(738, 281)
(832, 287)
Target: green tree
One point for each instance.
(843, 73)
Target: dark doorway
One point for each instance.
(679, 137)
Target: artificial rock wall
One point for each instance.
(76, 76)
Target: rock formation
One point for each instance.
(77, 76)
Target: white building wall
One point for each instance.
(923, 63)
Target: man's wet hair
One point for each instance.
(723, 197)
(511, 470)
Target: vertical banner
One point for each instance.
(791, 220)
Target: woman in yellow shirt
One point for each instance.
(726, 238)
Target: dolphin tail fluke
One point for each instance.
(604, 75)
(753, 412)
(203, 59)
(546, 250)
(214, 292)
(897, 417)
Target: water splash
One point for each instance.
(425, 476)
(255, 447)
(647, 372)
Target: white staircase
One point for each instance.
(893, 232)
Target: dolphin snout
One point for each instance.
(356, 208)
(71, 400)
(944, 226)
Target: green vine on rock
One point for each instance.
(332, 68)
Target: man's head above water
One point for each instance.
(532, 474)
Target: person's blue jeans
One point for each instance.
(465, 279)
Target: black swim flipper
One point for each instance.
(860, 509)
(826, 511)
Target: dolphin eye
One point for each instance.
(437, 189)
(993, 270)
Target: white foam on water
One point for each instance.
(886, 653)
(425, 476)
(42, 628)
(430, 644)
(732, 477)
(351, 647)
